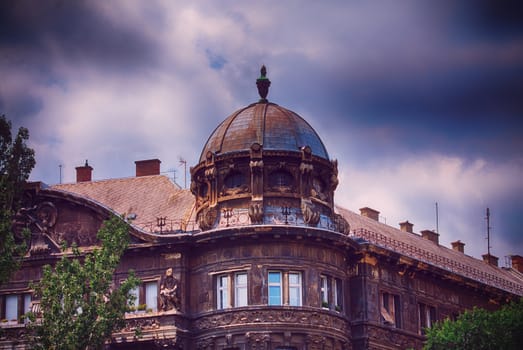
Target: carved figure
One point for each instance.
(310, 215)
(169, 292)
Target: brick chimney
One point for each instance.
(370, 213)
(147, 167)
(517, 262)
(84, 173)
(458, 246)
(406, 226)
(490, 259)
(430, 235)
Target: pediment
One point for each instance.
(53, 217)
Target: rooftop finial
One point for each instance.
(263, 84)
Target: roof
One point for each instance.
(419, 248)
(151, 197)
(272, 126)
(145, 197)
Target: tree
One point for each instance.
(480, 329)
(80, 305)
(16, 162)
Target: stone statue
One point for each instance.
(169, 292)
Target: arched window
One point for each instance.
(234, 180)
(280, 178)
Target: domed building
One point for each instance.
(256, 255)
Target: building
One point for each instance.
(256, 255)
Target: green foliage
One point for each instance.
(479, 329)
(16, 162)
(81, 306)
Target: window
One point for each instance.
(275, 288)
(290, 282)
(331, 293)
(151, 295)
(231, 288)
(234, 180)
(294, 289)
(240, 289)
(391, 309)
(427, 317)
(324, 290)
(14, 306)
(280, 178)
(223, 292)
(145, 297)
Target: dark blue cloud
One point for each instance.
(39, 32)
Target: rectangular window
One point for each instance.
(295, 289)
(15, 306)
(338, 294)
(240, 289)
(324, 290)
(427, 317)
(222, 292)
(151, 295)
(135, 292)
(390, 309)
(232, 290)
(11, 307)
(275, 288)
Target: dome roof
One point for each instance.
(272, 126)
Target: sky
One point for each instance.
(421, 102)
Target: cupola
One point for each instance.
(263, 165)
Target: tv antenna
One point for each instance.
(488, 230)
(60, 166)
(437, 218)
(184, 163)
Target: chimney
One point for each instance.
(430, 235)
(517, 262)
(147, 167)
(406, 226)
(458, 246)
(84, 173)
(370, 213)
(490, 259)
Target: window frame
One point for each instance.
(390, 309)
(228, 296)
(430, 316)
(141, 293)
(290, 294)
(20, 304)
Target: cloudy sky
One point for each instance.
(420, 102)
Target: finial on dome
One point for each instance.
(263, 84)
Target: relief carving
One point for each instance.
(40, 219)
(256, 213)
(342, 225)
(310, 215)
(207, 218)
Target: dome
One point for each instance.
(271, 126)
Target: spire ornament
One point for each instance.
(263, 84)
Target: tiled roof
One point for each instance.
(416, 247)
(149, 197)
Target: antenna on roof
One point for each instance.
(60, 166)
(488, 230)
(184, 163)
(437, 219)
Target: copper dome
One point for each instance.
(271, 126)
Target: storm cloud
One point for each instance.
(420, 102)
